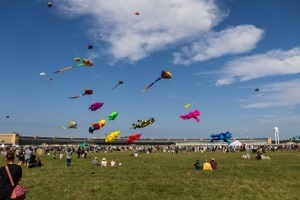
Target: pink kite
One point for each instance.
(191, 115)
(132, 138)
(96, 106)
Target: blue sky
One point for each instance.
(217, 51)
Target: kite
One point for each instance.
(187, 105)
(90, 46)
(101, 35)
(42, 74)
(132, 138)
(86, 92)
(97, 126)
(119, 83)
(49, 4)
(112, 136)
(112, 116)
(257, 90)
(143, 123)
(137, 13)
(7, 116)
(85, 62)
(96, 106)
(221, 136)
(72, 125)
(50, 79)
(164, 75)
(77, 59)
(191, 115)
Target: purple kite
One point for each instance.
(96, 106)
(191, 115)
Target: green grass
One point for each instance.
(165, 176)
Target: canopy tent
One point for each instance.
(85, 145)
(236, 143)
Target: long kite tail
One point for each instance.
(115, 86)
(146, 88)
(76, 97)
(68, 68)
(63, 69)
(63, 127)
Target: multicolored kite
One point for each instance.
(77, 59)
(97, 126)
(143, 123)
(96, 106)
(133, 138)
(73, 124)
(86, 92)
(119, 83)
(85, 62)
(112, 116)
(164, 75)
(112, 136)
(191, 115)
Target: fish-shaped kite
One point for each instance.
(143, 123)
(96, 106)
(133, 138)
(112, 136)
(164, 75)
(86, 92)
(97, 126)
(112, 115)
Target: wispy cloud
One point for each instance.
(162, 24)
(233, 40)
(275, 62)
(282, 94)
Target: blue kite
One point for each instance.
(221, 136)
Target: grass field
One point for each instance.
(165, 176)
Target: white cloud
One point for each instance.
(160, 23)
(275, 62)
(233, 40)
(281, 94)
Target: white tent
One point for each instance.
(236, 143)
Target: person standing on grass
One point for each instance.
(28, 154)
(207, 166)
(16, 172)
(21, 157)
(61, 154)
(213, 164)
(69, 156)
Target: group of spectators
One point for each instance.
(212, 165)
(104, 162)
(27, 158)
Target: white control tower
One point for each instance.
(276, 132)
